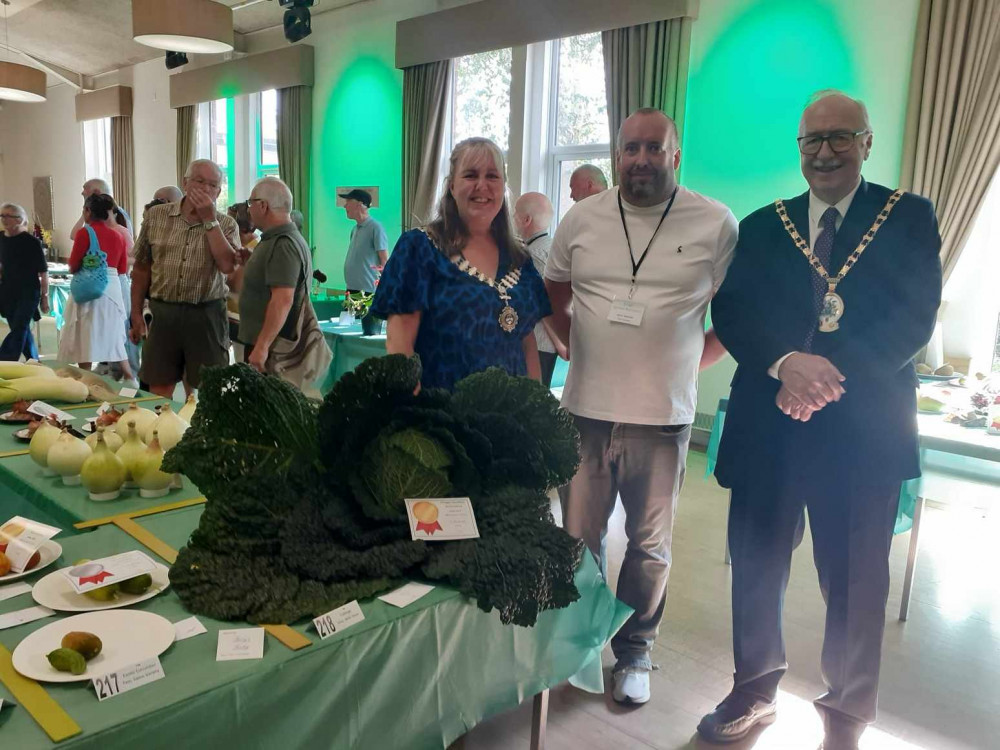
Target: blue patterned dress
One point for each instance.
(459, 329)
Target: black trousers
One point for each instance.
(548, 362)
(851, 527)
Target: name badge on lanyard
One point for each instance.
(626, 311)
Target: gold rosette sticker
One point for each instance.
(427, 517)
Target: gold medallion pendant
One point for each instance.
(508, 319)
(832, 312)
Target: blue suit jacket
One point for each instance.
(765, 308)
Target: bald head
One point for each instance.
(586, 180)
(833, 103)
(532, 214)
(168, 194)
(270, 203)
(96, 186)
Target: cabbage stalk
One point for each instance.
(67, 455)
(103, 473)
(146, 470)
(143, 418)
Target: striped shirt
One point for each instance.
(183, 269)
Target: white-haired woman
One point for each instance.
(24, 282)
(463, 292)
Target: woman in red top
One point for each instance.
(95, 331)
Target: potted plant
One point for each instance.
(359, 305)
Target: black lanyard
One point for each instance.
(631, 255)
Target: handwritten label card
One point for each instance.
(15, 589)
(241, 643)
(127, 392)
(441, 519)
(22, 537)
(21, 616)
(188, 628)
(407, 594)
(107, 570)
(45, 411)
(128, 678)
(100, 410)
(338, 619)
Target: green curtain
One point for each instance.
(185, 140)
(123, 163)
(295, 148)
(646, 66)
(425, 105)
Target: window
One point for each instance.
(481, 98)
(578, 131)
(265, 135)
(97, 149)
(214, 128)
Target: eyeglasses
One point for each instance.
(250, 201)
(207, 183)
(841, 141)
(10, 216)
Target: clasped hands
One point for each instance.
(808, 383)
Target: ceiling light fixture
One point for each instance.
(19, 83)
(199, 26)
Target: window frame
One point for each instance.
(97, 156)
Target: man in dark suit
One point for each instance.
(828, 299)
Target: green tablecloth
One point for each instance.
(327, 307)
(350, 349)
(943, 456)
(58, 297)
(412, 678)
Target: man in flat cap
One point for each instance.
(369, 248)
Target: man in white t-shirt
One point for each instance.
(639, 265)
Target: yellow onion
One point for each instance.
(143, 418)
(146, 470)
(169, 426)
(187, 411)
(130, 452)
(103, 473)
(41, 441)
(111, 438)
(67, 455)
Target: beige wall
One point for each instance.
(45, 139)
(154, 130)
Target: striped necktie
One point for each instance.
(823, 251)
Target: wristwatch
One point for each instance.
(210, 225)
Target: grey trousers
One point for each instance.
(851, 529)
(644, 464)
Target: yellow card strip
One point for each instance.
(140, 513)
(6, 454)
(95, 404)
(291, 638)
(49, 715)
(147, 538)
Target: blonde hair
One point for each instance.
(448, 230)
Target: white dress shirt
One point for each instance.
(817, 207)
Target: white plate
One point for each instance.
(55, 592)
(49, 552)
(127, 637)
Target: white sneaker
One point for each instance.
(631, 685)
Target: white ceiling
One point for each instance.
(90, 37)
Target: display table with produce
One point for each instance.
(314, 509)
(410, 677)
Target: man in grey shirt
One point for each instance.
(368, 249)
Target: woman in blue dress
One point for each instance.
(462, 292)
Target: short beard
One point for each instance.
(645, 194)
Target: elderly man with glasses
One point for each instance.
(829, 297)
(182, 256)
